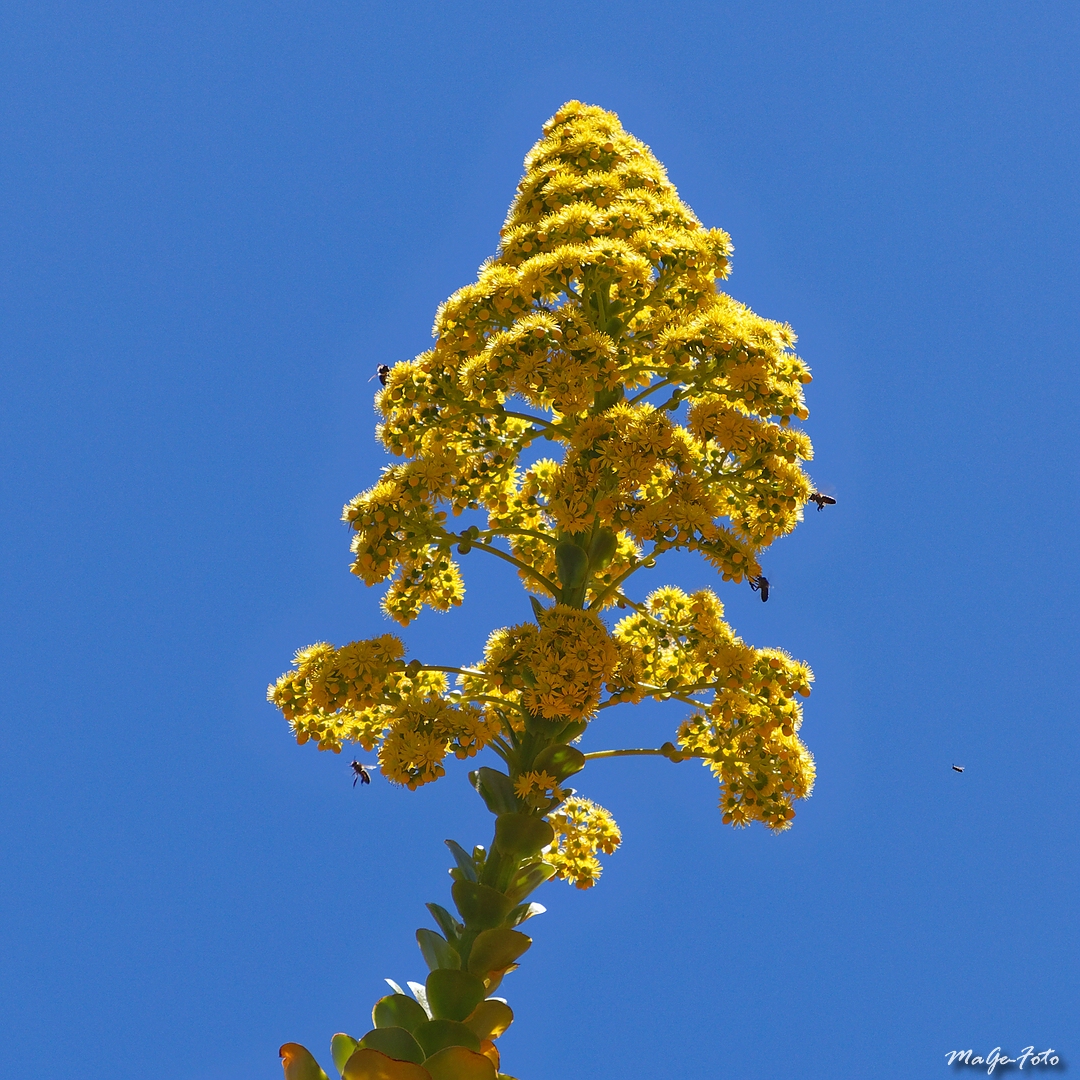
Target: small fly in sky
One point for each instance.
(760, 584)
(958, 768)
(360, 773)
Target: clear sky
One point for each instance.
(217, 218)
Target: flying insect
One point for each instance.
(760, 584)
(380, 373)
(360, 773)
(958, 768)
(822, 500)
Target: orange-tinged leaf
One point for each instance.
(298, 1063)
(457, 1063)
(490, 1051)
(490, 1018)
(371, 1065)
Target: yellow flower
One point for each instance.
(582, 828)
(600, 329)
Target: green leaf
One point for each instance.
(457, 1063)
(494, 950)
(522, 835)
(523, 912)
(453, 995)
(368, 1064)
(604, 399)
(462, 858)
(602, 549)
(398, 1010)
(496, 789)
(490, 1018)
(569, 732)
(394, 1042)
(450, 927)
(437, 1034)
(481, 906)
(342, 1047)
(300, 1065)
(560, 761)
(421, 996)
(572, 564)
(527, 879)
(538, 608)
(438, 952)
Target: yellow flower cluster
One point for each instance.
(555, 670)
(582, 828)
(598, 326)
(678, 646)
(365, 693)
(679, 643)
(537, 789)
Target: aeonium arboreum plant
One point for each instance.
(667, 410)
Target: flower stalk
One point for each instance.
(599, 328)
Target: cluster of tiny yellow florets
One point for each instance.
(557, 668)
(598, 326)
(582, 828)
(678, 646)
(537, 789)
(365, 693)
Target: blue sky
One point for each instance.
(217, 218)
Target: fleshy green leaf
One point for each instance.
(496, 789)
(437, 1034)
(367, 1064)
(494, 950)
(522, 835)
(298, 1063)
(602, 548)
(490, 1018)
(481, 906)
(571, 564)
(527, 879)
(394, 1042)
(453, 995)
(398, 1010)
(523, 912)
(457, 1063)
(450, 927)
(342, 1047)
(438, 952)
(420, 993)
(463, 859)
(560, 761)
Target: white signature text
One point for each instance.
(996, 1058)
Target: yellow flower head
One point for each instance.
(591, 401)
(582, 828)
(597, 323)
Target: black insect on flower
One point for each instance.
(380, 373)
(360, 773)
(760, 584)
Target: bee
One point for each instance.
(822, 500)
(380, 373)
(958, 768)
(760, 584)
(360, 773)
